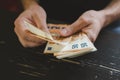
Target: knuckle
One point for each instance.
(25, 45)
(84, 19)
(16, 21)
(23, 42)
(91, 10)
(15, 30)
(69, 31)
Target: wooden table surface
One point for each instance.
(20, 63)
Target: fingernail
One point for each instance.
(64, 31)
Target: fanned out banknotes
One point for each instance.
(68, 47)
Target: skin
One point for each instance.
(32, 15)
(91, 22)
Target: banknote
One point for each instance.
(63, 47)
(39, 33)
(76, 42)
(72, 54)
(44, 35)
(78, 45)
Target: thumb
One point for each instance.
(73, 28)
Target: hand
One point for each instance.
(91, 22)
(36, 16)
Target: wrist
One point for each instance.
(109, 17)
(28, 3)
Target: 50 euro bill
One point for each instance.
(69, 47)
(53, 37)
(79, 44)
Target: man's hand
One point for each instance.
(36, 16)
(91, 22)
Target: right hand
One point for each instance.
(91, 22)
(36, 16)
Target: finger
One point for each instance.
(75, 27)
(30, 42)
(33, 38)
(25, 36)
(91, 31)
(40, 22)
(26, 43)
(20, 27)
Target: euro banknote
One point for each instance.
(63, 47)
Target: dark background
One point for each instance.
(70, 10)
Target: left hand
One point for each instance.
(36, 16)
(90, 22)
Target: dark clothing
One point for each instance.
(70, 10)
(11, 5)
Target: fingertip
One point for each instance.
(64, 32)
(91, 37)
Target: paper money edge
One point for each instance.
(70, 55)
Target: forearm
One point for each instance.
(27, 3)
(112, 12)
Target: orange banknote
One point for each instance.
(63, 47)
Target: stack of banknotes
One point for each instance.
(62, 47)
